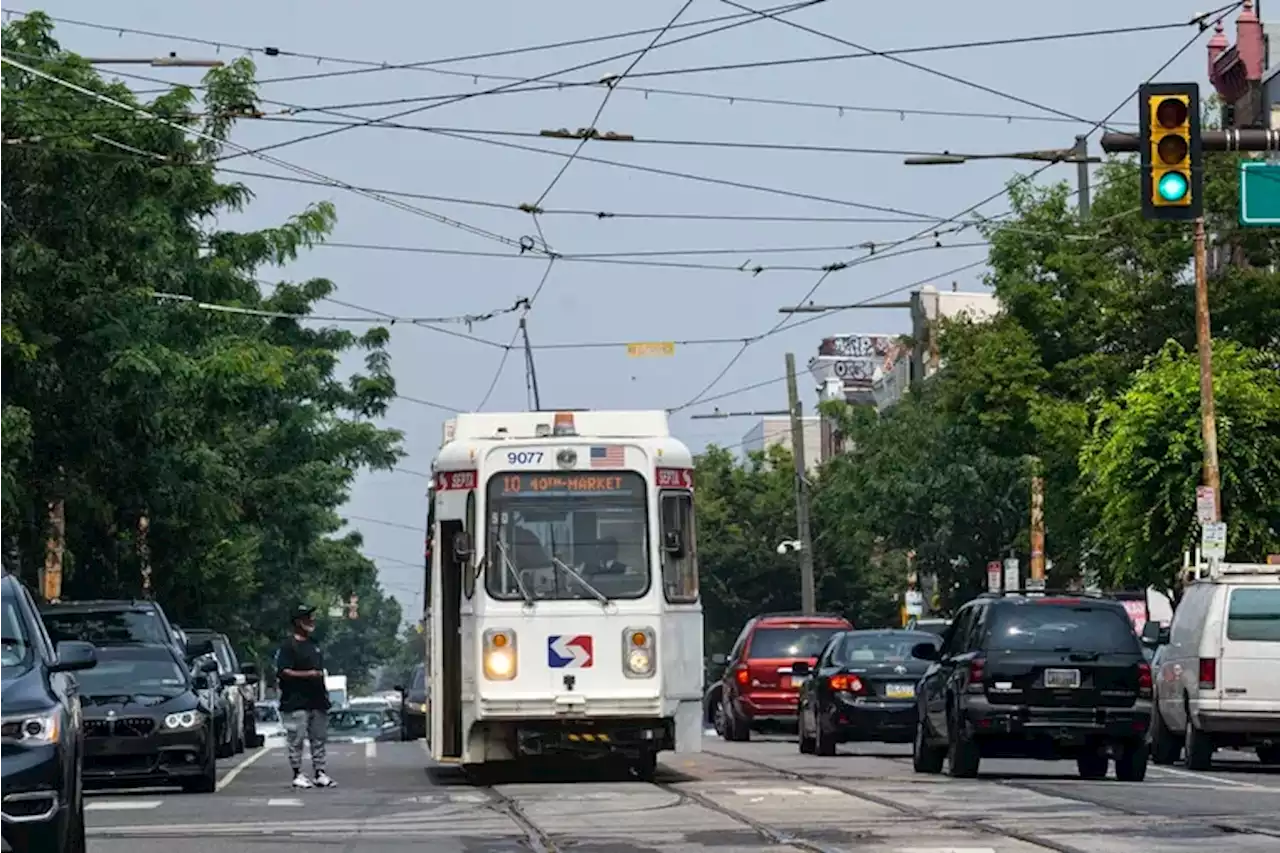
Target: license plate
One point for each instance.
(900, 691)
(1062, 678)
(798, 680)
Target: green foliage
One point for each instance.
(230, 441)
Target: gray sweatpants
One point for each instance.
(303, 726)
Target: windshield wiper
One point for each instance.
(599, 596)
(510, 567)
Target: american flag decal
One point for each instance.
(606, 457)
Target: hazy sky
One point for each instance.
(621, 300)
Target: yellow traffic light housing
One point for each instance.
(1172, 160)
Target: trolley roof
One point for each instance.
(500, 426)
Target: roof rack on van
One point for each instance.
(1216, 570)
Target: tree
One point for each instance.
(356, 647)
(411, 651)
(1143, 464)
(205, 452)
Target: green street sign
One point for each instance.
(1260, 194)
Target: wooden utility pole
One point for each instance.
(1037, 520)
(55, 547)
(808, 594)
(144, 554)
(1204, 344)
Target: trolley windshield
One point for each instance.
(566, 536)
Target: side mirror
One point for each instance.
(228, 679)
(801, 667)
(719, 659)
(673, 543)
(74, 655)
(251, 680)
(249, 669)
(209, 666)
(1154, 634)
(462, 549)
(399, 688)
(924, 651)
(200, 682)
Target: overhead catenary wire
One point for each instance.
(1204, 24)
(467, 319)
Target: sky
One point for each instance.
(447, 258)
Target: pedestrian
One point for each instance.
(304, 701)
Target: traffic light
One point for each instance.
(353, 607)
(1172, 159)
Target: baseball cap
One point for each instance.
(302, 611)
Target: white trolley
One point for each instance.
(564, 616)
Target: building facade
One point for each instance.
(775, 431)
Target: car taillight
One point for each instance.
(977, 669)
(741, 675)
(845, 683)
(1208, 673)
(1144, 680)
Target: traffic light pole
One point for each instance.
(1204, 345)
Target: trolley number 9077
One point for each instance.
(524, 457)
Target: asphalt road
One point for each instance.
(759, 796)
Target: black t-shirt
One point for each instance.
(301, 694)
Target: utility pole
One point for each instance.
(1083, 201)
(531, 372)
(54, 549)
(1204, 344)
(808, 593)
(1037, 520)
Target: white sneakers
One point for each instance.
(322, 780)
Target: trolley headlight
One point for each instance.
(32, 729)
(499, 654)
(183, 720)
(638, 650)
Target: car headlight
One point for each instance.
(499, 654)
(418, 707)
(32, 729)
(637, 652)
(183, 720)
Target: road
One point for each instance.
(759, 796)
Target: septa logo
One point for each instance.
(569, 652)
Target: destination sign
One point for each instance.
(572, 482)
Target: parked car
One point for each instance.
(861, 687)
(42, 800)
(757, 689)
(112, 623)
(1035, 676)
(362, 725)
(146, 721)
(413, 710)
(239, 696)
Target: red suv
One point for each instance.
(757, 686)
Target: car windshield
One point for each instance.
(567, 535)
(789, 642)
(17, 652)
(267, 713)
(106, 628)
(1062, 627)
(880, 648)
(348, 721)
(1254, 615)
(128, 676)
(337, 698)
(419, 683)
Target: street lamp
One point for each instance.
(790, 546)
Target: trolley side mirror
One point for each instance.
(673, 543)
(462, 549)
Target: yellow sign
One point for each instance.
(660, 348)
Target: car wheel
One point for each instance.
(645, 765)
(1165, 746)
(207, 781)
(1092, 765)
(735, 728)
(807, 744)
(824, 742)
(1269, 754)
(926, 758)
(237, 740)
(1197, 747)
(74, 841)
(1131, 762)
(717, 718)
(963, 757)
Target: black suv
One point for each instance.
(1035, 676)
(40, 737)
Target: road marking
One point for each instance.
(284, 801)
(802, 790)
(946, 850)
(1216, 779)
(120, 805)
(230, 775)
(370, 750)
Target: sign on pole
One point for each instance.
(1012, 577)
(646, 349)
(993, 576)
(1213, 541)
(1206, 505)
(1260, 194)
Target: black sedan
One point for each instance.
(862, 687)
(145, 720)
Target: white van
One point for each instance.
(1218, 669)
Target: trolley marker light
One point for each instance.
(499, 654)
(637, 653)
(1171, 153)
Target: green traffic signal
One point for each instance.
(1173, 186)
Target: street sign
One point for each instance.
(1260, 194)
(1035, 584)
(1206, 505)
(1012, 577)
(993, 576)
(1213, 541)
